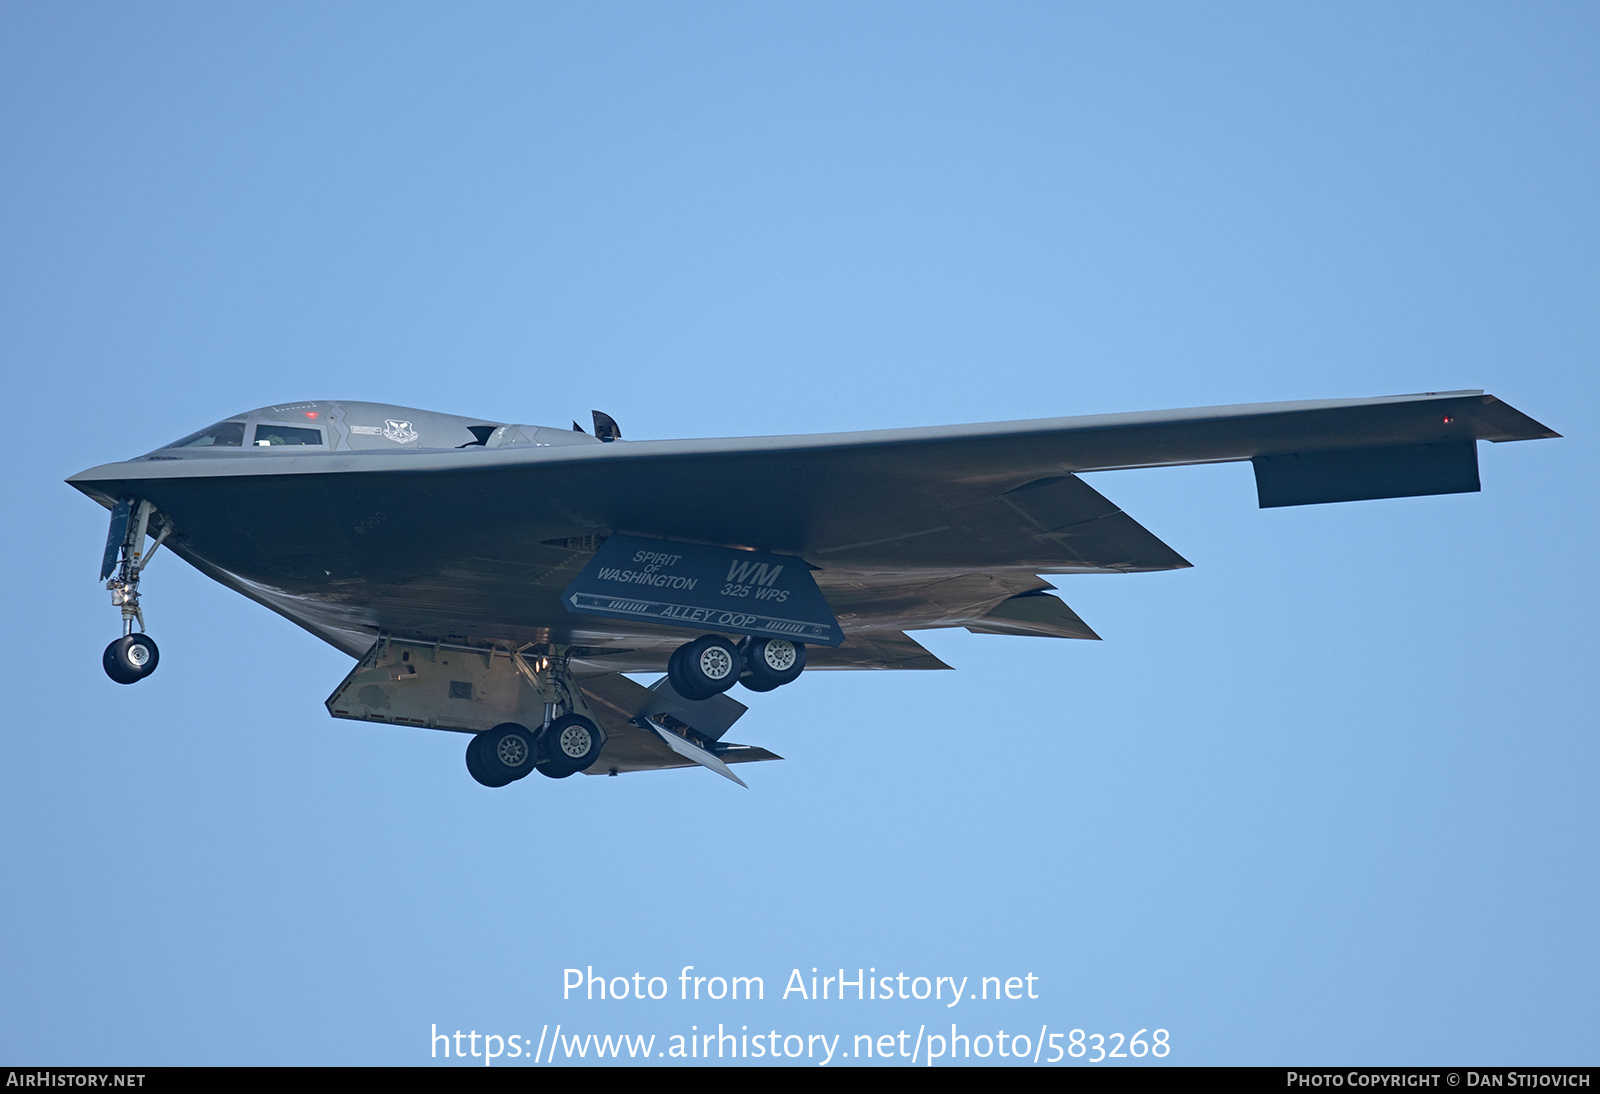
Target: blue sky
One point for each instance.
(1326, 798)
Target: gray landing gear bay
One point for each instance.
(524, 708)
(536, 708)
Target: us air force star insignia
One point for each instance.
(399, 432)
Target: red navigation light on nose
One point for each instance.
(313, 414)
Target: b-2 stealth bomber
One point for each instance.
(503, 581)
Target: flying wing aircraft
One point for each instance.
(503, 580)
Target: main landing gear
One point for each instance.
(508, 752)
(711, 664)
(133, 656)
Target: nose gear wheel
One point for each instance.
(131, 658)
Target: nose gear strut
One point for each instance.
(133, 656)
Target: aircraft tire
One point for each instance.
(569, 744)
(675, 670)
(679, 676)
(507, 752)
(708, 666)
(131, 658)
(771, 663)
(475, 766)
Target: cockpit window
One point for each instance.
(269, 435)
(221, 435)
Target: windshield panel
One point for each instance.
(268, 435)
(221, 435)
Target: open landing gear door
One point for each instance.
(115, 537)
(640, 720)
(683, 747)
(716, 589)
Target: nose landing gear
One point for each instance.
(133, 656)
